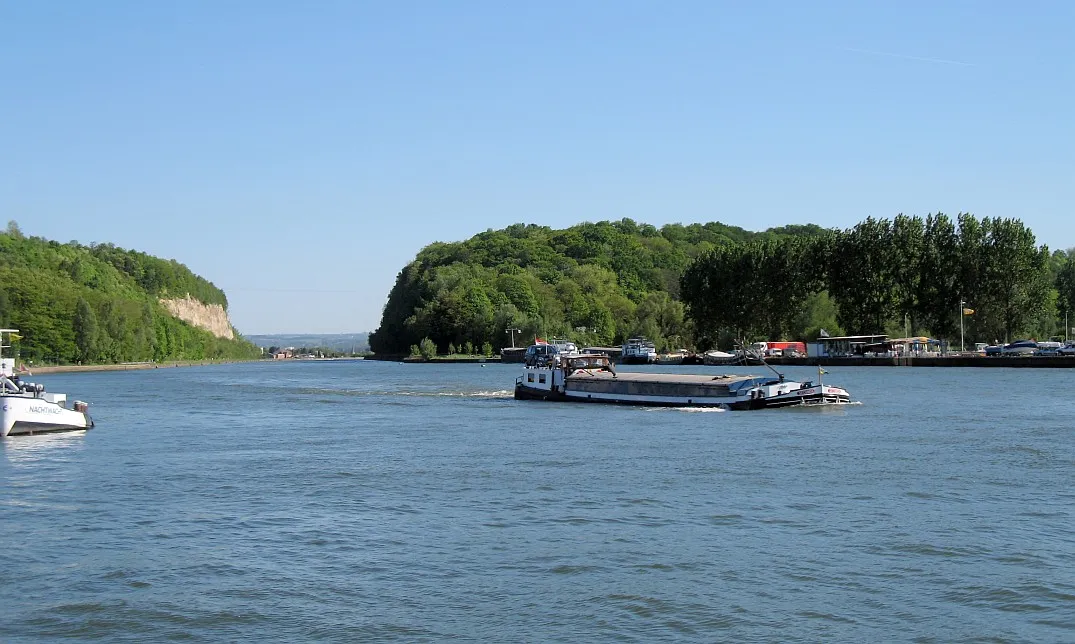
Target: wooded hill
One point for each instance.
(596, 283)
(706, 285)
(100, 304)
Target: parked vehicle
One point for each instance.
(1066, 350)
(1049, 348)
(1020, 348)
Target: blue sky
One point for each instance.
(299, 154)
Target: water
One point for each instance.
(352, 501)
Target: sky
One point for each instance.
(298, 155)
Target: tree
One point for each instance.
(1065, 286)
(85, 325)
(939, 279)
(5, 309)
(1015, 276)
(862, 276)
(908, 238)
(427, 348)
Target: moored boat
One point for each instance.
(716, 357)
(27, 409)
(592, 378)
(674, 357)
(638, 351)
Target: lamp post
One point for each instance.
(512, 332)
(961, 305)
(962, 311)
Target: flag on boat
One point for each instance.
(538, 340)
(820, 371)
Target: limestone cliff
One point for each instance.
(211, 317)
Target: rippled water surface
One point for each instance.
(365, 501)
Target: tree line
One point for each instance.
(905, 276)
(100, 304)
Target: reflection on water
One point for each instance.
(23, 449)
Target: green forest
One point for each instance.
(100, 304)
(709, 285)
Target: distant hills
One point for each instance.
(342, 342)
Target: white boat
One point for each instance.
(638, 351)
(715, 357)
(27, 409)
(592, 378)
(1020, 348)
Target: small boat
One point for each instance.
(592, 378)
(27, 409)
(638, 351)
(1020, 348)
(715, 357)
(674, 357)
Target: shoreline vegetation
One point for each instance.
(706, 286)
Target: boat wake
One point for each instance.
(689, 410)
(500, 393)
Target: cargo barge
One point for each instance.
(580, 377)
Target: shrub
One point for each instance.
(427, 348)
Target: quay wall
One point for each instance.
(1029, 362)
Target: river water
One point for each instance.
(371, 501)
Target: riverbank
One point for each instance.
(456, 359)
(130, 366)
(1020, 362)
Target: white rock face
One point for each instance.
(211, 317)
